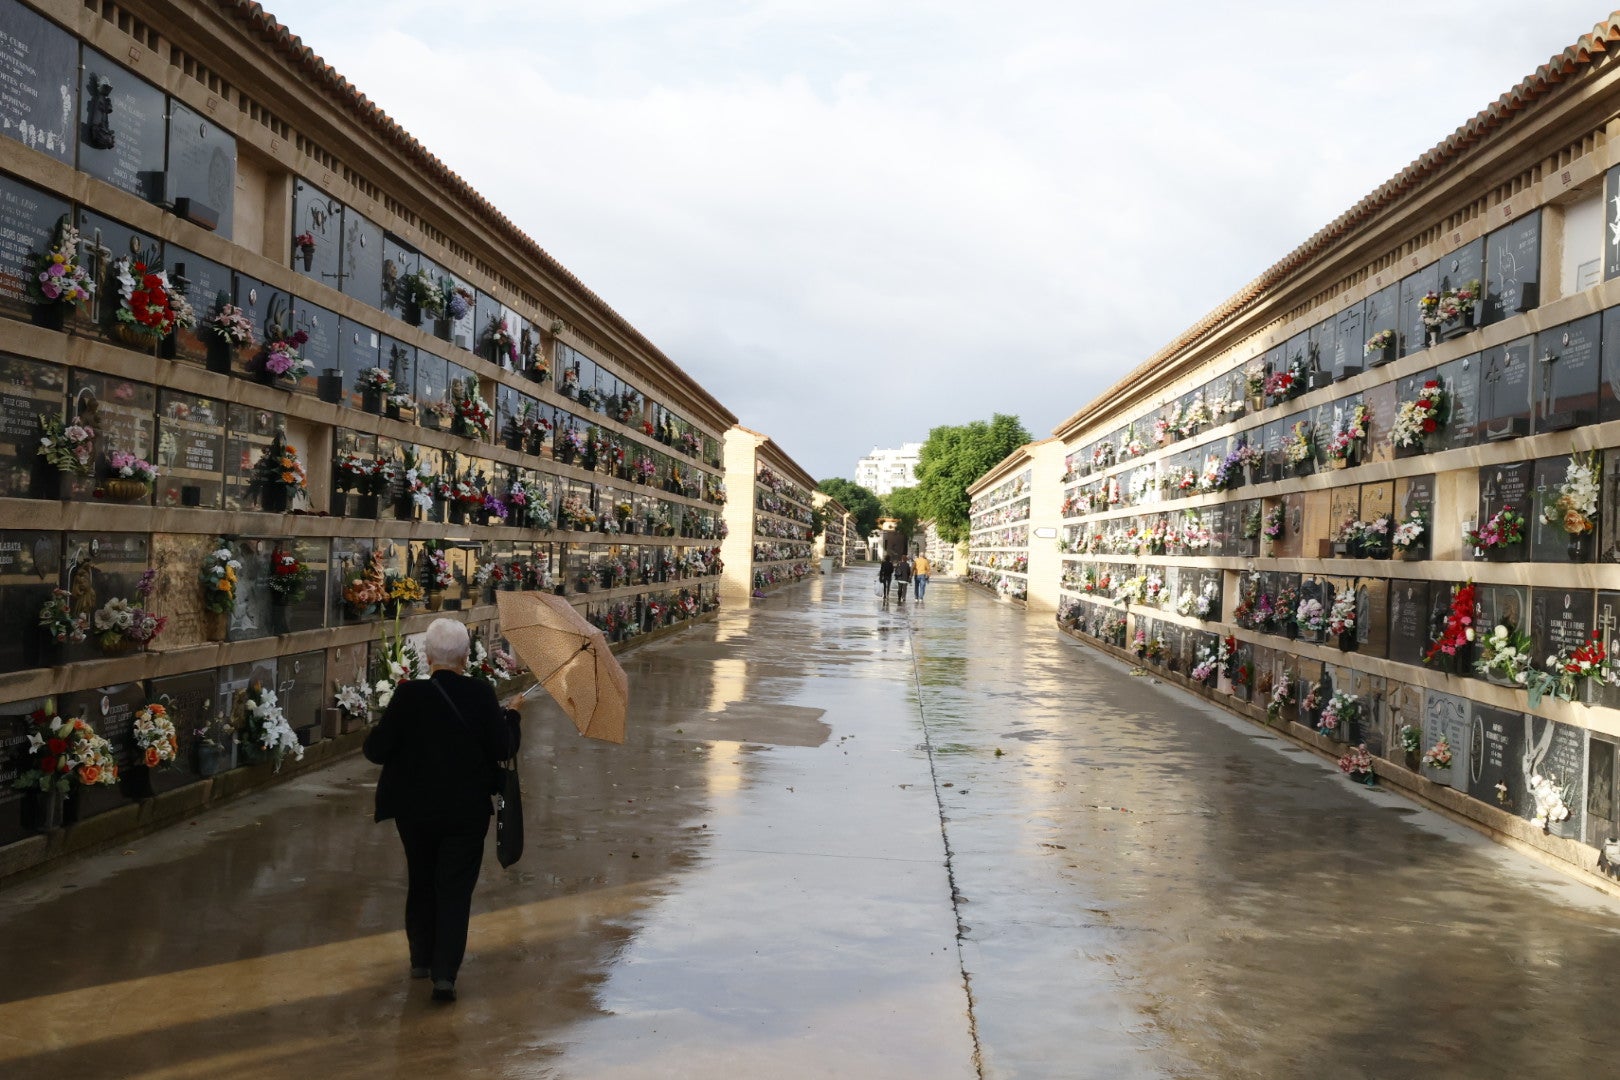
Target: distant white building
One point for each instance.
(882, 471)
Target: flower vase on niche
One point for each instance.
(122, 489)
(221, 355)
(458, 513)
(135, 782)
(366, 506)
(212, 759)
(1347, 642)
(412, 313)
(371, 401)
(215, 625)
(43, 811)
(1580, 546)
(405, 508)
(273, 499)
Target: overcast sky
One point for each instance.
(853, 220)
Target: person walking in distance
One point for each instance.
(438, 742)
(919, 576)
(886, 575)
(902, 576)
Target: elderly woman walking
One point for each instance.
(438, 742)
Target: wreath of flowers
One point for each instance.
(419, 288)
(1357, 764)
(279, 467)
(232, 325)
(1282, 696)
(501, 337)
(126, 466)
(377, 380)
(1310, 615)
(362, 472)
(365, 588)
(1458, 632)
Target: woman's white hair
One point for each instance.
(446, 643)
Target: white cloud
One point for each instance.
(908, 207)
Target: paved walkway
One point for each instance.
(933, 842)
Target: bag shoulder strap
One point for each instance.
(461, 716)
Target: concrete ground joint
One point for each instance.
(950, 868)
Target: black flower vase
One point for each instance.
(458, 513)
(1347, 642)
(273, 499)
(412, 313)
(135, 782)
(1580, 546)
(221, 356)
(367, 506)
(51, 316)
(371, 401)
(405, 508)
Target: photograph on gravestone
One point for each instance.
(1561, 621)
(122, 137)
(1461, 381)
(28, 220)
(1409, 612)
(207, 287)
(202, 170)
(30, 569)
(110, 710)
(1513, 268)
(301, 691)
(38, 73)
(399, 261)
(363, 258)
(1414, 332)
(1567, 374)
(317, 248)
(103, 242)
(101, 570)
(29, 389)
(1381, 313)
(359, 350)
(270, 311)
(1452, 719)
(123, 415)
(1504, 395)
(1506, 487)
(189, 700)
(1611, 213)
(190, 451)
(249, 432)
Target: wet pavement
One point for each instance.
(939, 841)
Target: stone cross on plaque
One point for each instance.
(1505, 376)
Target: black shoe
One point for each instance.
(444, 990)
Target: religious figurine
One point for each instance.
(98, 130)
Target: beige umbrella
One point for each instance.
(571, 659)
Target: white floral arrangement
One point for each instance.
(1410, 532)
(1505, 653)
(268, 728)
(1309, 615)
(1572, 505)
(1185, 602)
(351, 698)
(1206, 601)
(1341, 617)
(1550, 805)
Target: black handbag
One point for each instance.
(508, 794)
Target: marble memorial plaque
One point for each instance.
(1451, 718)
(249, 433)
(270, 309)
(176, 558)
(208, 286)
(28, 220)
(30, 567)
(1556, 752)
(102, 242)
(122, 140)
(1349, 343)
(99, 568)
(1560, 619)
(1409, 630)
(1319, 523)
(1378, 500)
(1415, 493)
(1495, 750)
(1290, 544)
(399, 260)
(1507, 485)
(432, 383)
(1463, 266)
(191, 451)
(189, 699)
(1513, 268)
(363, 258)
(1375, 729)
(1504, 396)
(1611, 213)
(29, 389)
(1381, 311)
(321, 217)
(1461, 380)
(1609, 351)
(1381, 404)
(201, 181)
(38, 74)
(1548, 540)
(123, 416)
(321, 349)
(110, 710)
(1372, 616)
(301, 688)
(1567, 374)
(1504, 605)
(360, 348)
(1414, 334)
(1344, 507)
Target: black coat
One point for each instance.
(438, 767)
(902, 570)
(886, 572)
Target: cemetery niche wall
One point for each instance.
(1375, 501)
(265, 421)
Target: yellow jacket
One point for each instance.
(919, 565)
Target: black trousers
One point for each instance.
(441, 866)
(901, 586)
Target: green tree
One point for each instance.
(956, 456)
(904, 503)
(858, 500)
